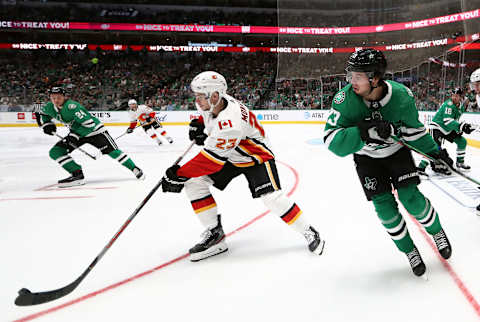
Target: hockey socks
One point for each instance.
(61, 156)
(123, 159)
(206, 210)
(461, 143)
(288, 211)
(420, 208)
(392, 220)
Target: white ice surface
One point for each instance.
(267, 274)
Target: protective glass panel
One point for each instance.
(326, 32)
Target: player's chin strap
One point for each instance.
(212, 107)
(381, 83)
(396, 139)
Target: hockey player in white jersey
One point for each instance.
(475, 84)
(146, 116)
(234, 144)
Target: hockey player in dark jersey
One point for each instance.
(84, 128)
(365, 115)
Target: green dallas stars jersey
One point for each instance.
(73, 115)
(342, 136)
(447, 116)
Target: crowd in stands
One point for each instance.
(303, 14)
(107, 80)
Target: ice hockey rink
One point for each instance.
(50, 236)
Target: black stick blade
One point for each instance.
(24, 298)
(27, 298)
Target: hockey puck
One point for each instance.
(24, 291)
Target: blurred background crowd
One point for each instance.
(106, 80)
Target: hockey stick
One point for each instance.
(94, 157)
(127, 132)
(39, 123)
(435, 160)
(26, 298)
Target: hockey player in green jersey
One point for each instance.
(84, 128)
(446, 125)
(364, 116)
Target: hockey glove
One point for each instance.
(129, 130)
(466, 128)
(440, 166)
(171, 182)
(49, 128)
(376, 131)
(149, 120)
(196, 132)
(71, 141)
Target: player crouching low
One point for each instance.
(235, 145)
(146, 116)
(84, 128)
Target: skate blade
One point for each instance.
(424, 277)
(319, 250)
(71, 184)
(212, 251)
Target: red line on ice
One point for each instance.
(460, 284)
(54, 187)
(130, 279)
(473, 302)
(45, 198)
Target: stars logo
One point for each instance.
(371, 56)
(339, 98)
(370, 183)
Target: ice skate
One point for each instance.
(315, 243)
(422, 172)
(441, 169)
(416, 262)
(76, 179)
(443, 244)
(213, 243)
(138, 173)
(463, 167)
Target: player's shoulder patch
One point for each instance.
(449, 103)
(71, 106)
(339, 98)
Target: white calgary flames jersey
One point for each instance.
(235, 135)
(141, 114)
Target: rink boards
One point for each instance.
(121, 118)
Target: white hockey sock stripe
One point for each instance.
(429, 219)
(122, 158)
(398, 232)
(64, 159)
(387, 222)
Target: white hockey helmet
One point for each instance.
(208, 83)
(132, 101)
(474, 78)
